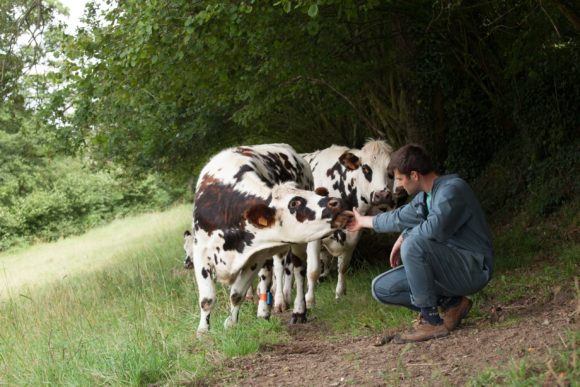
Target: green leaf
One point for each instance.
(313, 10)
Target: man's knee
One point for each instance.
(415, 245)
(391, 288)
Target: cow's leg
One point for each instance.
(299, 312)
(280, 304)
(313, 268)
(238, 292)
(265, 303)
(250, 293)
(325, 265)
(344, 261)
(288, 277)
(206, 291)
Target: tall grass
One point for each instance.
(131, 319)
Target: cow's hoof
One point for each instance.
(229, 323)
(264, 312)
(298, 318)
(310, 303)
(280, 308)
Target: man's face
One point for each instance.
(410, 182)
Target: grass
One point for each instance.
(130, 318)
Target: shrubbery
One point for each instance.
(65, 196)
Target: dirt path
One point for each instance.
(505, 334)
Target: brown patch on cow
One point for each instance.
(219, 206)
(260, 215)
(206, 304)
(322, 191)
(349, 160)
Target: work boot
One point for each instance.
(453, 315)
(421, 332)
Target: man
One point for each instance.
(445, 246)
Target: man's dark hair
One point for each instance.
(411, 157)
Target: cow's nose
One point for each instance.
(335, 204)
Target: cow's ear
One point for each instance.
(322, 191)
(349, 160)
(260, 215)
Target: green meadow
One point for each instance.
(114, 306)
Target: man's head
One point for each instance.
(408, 164)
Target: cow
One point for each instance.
(253, 203)
(360, 178)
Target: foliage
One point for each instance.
(64, 196)
(167, 83)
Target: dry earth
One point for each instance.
(505, 333)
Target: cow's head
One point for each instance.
(369, 166)
(297, 216)
(188, 247)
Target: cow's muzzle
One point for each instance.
(337, 207)
(383, 199)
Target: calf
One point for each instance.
(253, 202)
(360, 178)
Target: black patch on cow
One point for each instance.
(235, 298)
(204, 272)
(237, 239)
(367, 172)
(269, 264)
(339, 236)
(364, 200)
(296, 261)
(338, 174)
(215, 258)
(287, 271)
(243, 169)
(263, 277)
(297, 207)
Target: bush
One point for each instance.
(69, 197)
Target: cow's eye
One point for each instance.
(294, 203)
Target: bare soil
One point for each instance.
(502, 334)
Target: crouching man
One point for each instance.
(445, 246)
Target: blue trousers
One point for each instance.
(431, 271)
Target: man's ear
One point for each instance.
(260, 215)
(349, 160)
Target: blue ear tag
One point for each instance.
(269, 300)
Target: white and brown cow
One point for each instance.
(360, 178)
(253, 202)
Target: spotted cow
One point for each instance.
(360, 178)
(251, 203)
